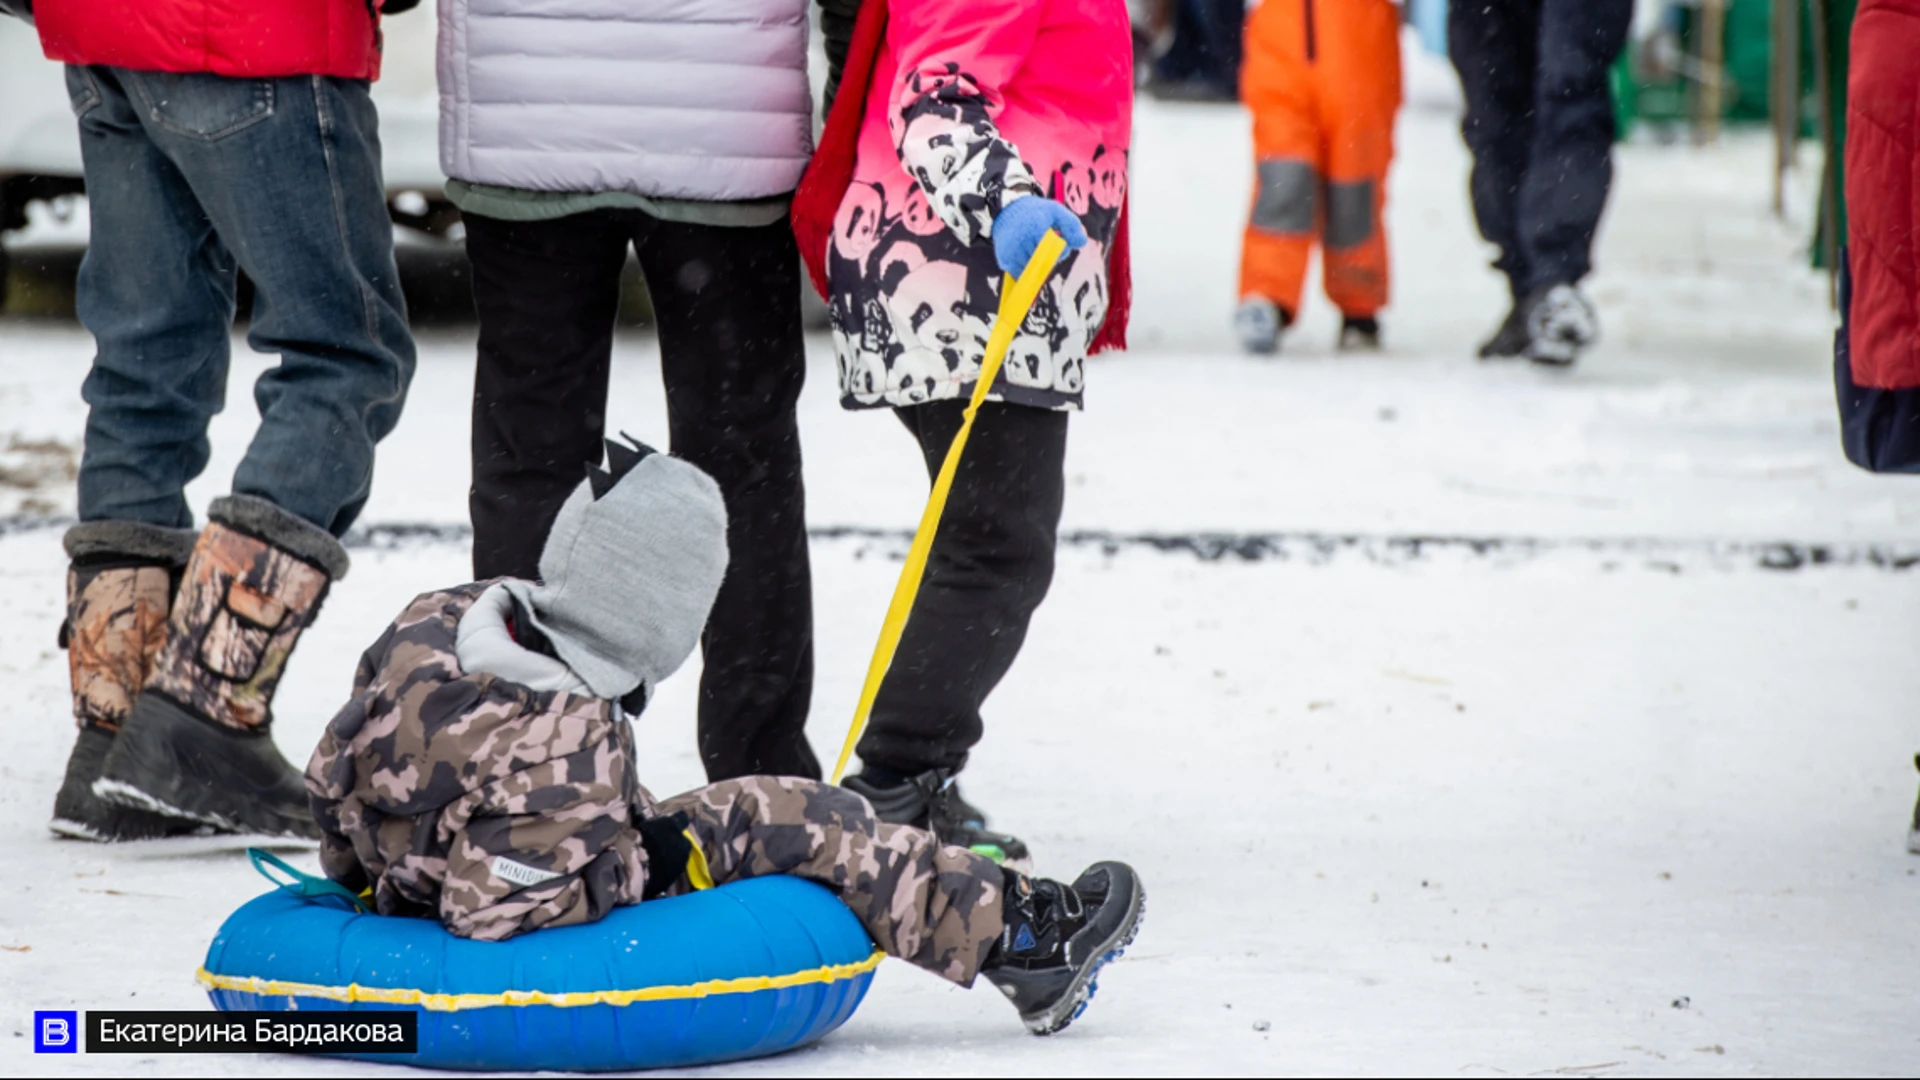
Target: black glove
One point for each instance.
(668, 849)
(23, 9)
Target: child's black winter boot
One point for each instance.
(1058, 937)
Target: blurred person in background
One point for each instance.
(217, 139)
(1322, 79)
(965, 132)
(1197, 54)
(1876, 365)
(1540, 125)
(573, 131)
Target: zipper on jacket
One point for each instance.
(1311, 49)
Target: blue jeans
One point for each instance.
(191, 178)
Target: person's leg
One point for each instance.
(1284, 219)
(156, 292)
(1185, 57)
(288, 172)
(939, 907)
(990, 567)
(936, 907)
(1494, 46)
(733, 359)
(1570, 156)
(547, 293)
(1359, 77)
(1220, 23)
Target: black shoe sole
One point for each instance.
(1079, 993)
(170, 762)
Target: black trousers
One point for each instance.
(727, 302)
(1206, 44)
(990, 567)
(1540, 125)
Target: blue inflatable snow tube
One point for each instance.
(747, 969)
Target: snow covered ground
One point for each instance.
(1602, 794)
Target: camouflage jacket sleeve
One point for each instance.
(330, 771)
(954, 58)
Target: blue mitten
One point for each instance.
(1018, 229)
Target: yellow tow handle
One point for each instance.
(1016, 298)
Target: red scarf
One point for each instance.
(830, 173)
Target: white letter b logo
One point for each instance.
(56, 1031)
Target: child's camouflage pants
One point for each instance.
(933, 906)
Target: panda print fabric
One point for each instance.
(914, 282)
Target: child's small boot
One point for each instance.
(1257, 322)
(1057, 937)
(119, 590)
(1359, 334)
(1913, 829)
(198, 744)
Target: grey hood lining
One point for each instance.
(131, 539)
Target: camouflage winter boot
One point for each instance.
(197, 744)
(119, 588)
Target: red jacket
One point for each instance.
(237, 38)
(1878, 361)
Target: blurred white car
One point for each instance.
(40, 146)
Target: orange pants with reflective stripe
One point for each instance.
(1322, 78)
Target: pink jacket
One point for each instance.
(971, 104)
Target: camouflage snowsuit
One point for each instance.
(499, 809)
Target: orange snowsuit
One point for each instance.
(1323, 80)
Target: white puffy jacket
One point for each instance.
(686, 99)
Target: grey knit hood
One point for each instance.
(630, 570)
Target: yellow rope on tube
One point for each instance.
(354, 993)
(1016, 298)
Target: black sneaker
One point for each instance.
(79, 814)
(1913, 830)
(1510, 341)
(932, 801)
(168, 761)
(1058, 937)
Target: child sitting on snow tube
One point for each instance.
(483, 773)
